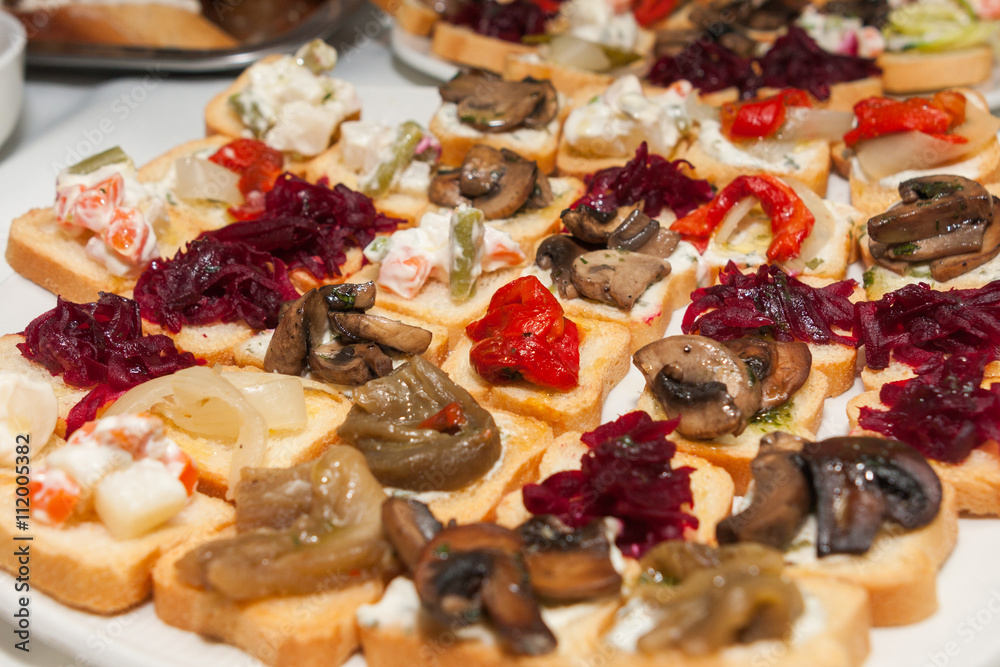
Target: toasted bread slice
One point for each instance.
(82, 565)
(153, 25)
(461, 45)
(917, 71)
(295, 630)
(801, 416)
(719, 160)
(604, 361)
(832, 633)
(873, 196)
(712, 487)
(976, 480)
(457, 138)
(896, 371)
(412, 16)
(900, 569)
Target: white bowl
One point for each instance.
(12, 41)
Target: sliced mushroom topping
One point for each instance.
(481, 170)
(637, 230)
(967, 238)
(702, 382)
(541, 195)
(445, 189)
(382, 330)
(780, 502)
(618, 277)
(932, 205)
(471, 571)
(409, 526)
(501, 106)
(465, 83)
(378, 361)
(860, 482)
(947, 268)
(289, 345)
(588, 225)
(674, 561)
(349, 296)
(568, 565)
(339, 364)
(557, 254)
(780, 367)
(515, 186)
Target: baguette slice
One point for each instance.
(604, 361)
(720, 161)
(157, 25)
(835, 635)
(872, 196)
(976, 480)
(412, 16)
(801, 416)
(314, 630)
(457, 138)
(900, 569)
(82, 565)
(914, 72)
(712, 487)
(465, 47)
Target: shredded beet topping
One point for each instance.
(214, 282)
(917, 324)
(309, 226)
(100, 344)
(943, 412)
(772, 303)
(507, 21)
(657, 182)
(796, 60)
(626, 474)
(709, 66)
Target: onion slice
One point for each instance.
(823, 229)
(904, 151)
(731, 222)
(213, 389)
(280, 399)
(804, 123)
(198, 178)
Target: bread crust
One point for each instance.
(461, 45)
(915, 72)
(292, 631)
(82, 565)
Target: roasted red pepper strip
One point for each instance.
(760, 119)
(791, 220)
(648, 12)
(258, 165)
(524, 336)
(449, 419)
(878, 116)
